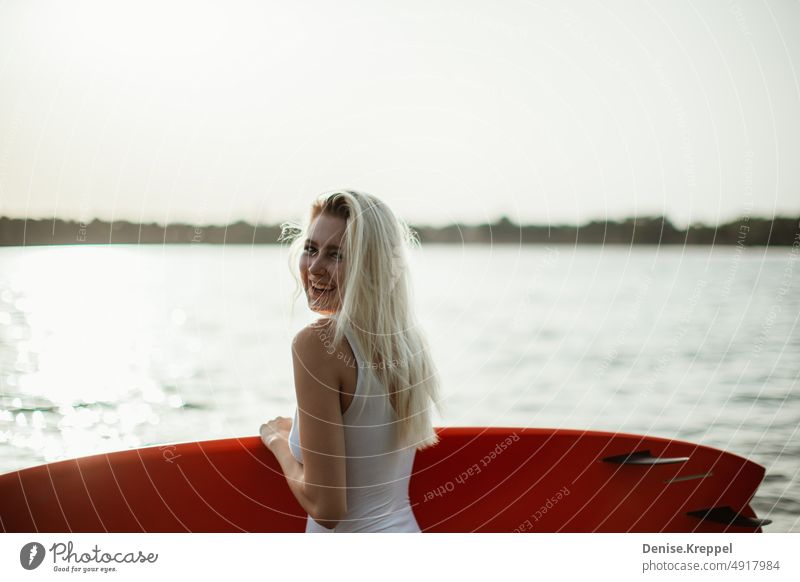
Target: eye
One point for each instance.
(309, 249)
(336, 255)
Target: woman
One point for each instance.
(364, 378)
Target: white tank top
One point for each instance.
(378, 473)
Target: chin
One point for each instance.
(320, 310)
(323, 311)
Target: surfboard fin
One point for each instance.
(643, 458)
(728, 516)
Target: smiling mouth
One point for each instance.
(320, 290)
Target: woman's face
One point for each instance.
(322, 264)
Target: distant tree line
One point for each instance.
(653, 230)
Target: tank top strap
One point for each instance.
(363, 388)
(348, 333)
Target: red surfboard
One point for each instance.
(475, 480)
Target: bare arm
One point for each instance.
(292, 470)
(319, 484)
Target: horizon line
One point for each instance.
(502, 220)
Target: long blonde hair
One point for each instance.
(377, 305)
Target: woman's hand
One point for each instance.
(275, 430)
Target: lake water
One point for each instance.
(105, 348)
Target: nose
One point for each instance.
(317, 266)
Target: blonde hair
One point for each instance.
(377, 305)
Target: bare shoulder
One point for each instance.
(316, 371)
(315, 341)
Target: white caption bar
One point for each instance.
(399, 556)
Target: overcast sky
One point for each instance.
(546, 111)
